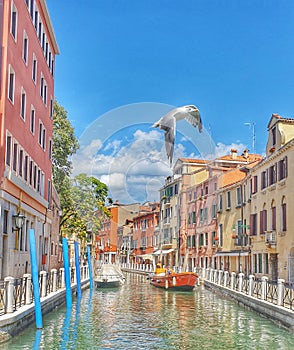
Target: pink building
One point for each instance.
(27, 59)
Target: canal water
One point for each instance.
(140, 316)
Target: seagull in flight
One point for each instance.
(168, 124)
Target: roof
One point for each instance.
(279, 118)
(193, 160)
(230, 178)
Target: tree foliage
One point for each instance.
(88, 195)
(65, 144)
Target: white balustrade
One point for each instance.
(28, 291)
(9, 281)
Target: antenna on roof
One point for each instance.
(252, 126)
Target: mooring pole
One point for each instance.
(78, 270)
(90, 267)
(35, 279)
(68, 296)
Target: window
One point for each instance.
(15, 152)
(206, 239)
(201, 240)
(274, 136)
(31, 172)
(253, 185)
(273, 219)
(42, 86)
(34, 69)
(282, 168)
(13, 21)
(239, 196)
(263, 221)
(220, 234)
(42, 135)
(253, 224)
(25, 168)
(266, 264)
(11, 83)
(213, 211)
(36, 20)
(32, 120)
(25, 47)
(32, 11)
(8, 150)
(228, 200)
(220, 202)
(23, 104)
(203, 214)
(272, 176)
(20, 163)
(263, 180)
(51, 116)
(284, 217)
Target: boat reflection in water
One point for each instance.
(139, 316)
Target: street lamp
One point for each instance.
(18, 221)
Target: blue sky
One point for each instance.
(232, 59)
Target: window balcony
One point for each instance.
(270, 238)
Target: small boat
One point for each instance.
(109, 276)
(168, 279)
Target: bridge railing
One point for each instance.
(278, 292)
(16, 292)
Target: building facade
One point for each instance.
(27, 60)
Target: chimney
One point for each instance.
(245, 153)
(234, 153)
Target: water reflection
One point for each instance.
(139, 316)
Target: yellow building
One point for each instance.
(269, 186)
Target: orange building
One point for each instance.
(27, 60)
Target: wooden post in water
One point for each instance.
(68, 296)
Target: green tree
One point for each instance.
(65, 144)
(88, 195)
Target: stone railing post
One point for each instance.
(281, 288)
(251, 285)
(226, 275)
(203, 275)
(54, 280)
(43, 275)
(28, 292)
(220, 275)
(264, 280)
(215, 276)
(61, 270)
(9, 288)
(233, 276)
(241, 278)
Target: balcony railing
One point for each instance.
(270, 238)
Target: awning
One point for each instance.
(163, 251)
(232, 254)
(146, 256)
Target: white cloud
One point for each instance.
(137, 165)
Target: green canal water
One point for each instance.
(139, 316)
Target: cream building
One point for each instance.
(269, 186)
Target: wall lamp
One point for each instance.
(17, 221)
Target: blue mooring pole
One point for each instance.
(78, 270)
(68, 296)
(90, 267)
(35, 278)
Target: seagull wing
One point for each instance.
(168, 124)
(193, 117)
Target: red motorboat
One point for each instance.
(168, 279)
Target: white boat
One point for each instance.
(109, 276)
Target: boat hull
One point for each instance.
(109, 276)
(184, 281)
(107, 284)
